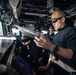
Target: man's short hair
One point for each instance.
(57, 14)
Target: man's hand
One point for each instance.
(43, 42)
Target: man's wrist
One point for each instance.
(55, 49)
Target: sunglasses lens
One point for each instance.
(54, 21)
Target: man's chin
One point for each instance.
(56, 29)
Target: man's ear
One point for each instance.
(63, 19)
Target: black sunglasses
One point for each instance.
(54, 21)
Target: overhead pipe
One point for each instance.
(36, 14)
